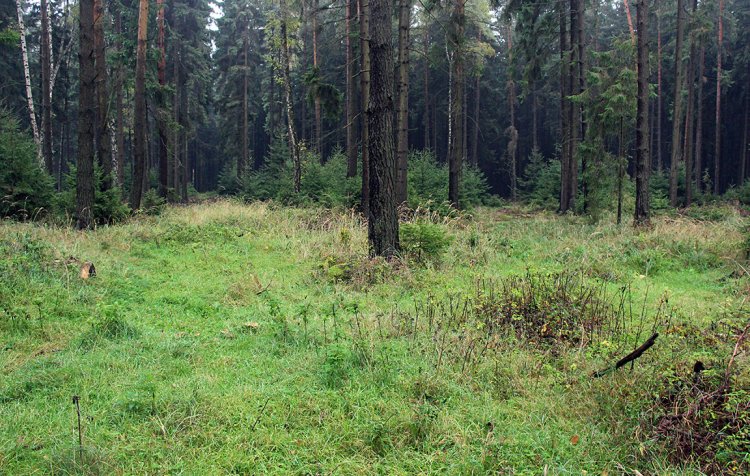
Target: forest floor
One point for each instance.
(223, 338)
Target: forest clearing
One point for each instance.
(375, 237)
(225, 338)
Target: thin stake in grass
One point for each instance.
(80, 432)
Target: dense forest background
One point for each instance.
(265, 100)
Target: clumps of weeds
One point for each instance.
(702, 415)
(336, 364)
(108, 324)
(360, 272)
(549, 312)
(179, 233)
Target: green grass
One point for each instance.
(223, 338)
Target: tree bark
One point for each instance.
(402, 112)
(383, 217)
(103, 138)
(27, 79)
(46, 66)
(677, 114)
(139, 115)
(642, 153)
(364, 76)
(717, 137)
(286, 67)
(85, 166)
(456, 159)
(351, 145)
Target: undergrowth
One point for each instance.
(224, 338)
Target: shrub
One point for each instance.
(108, 205)
(25, 189)
(424, 240)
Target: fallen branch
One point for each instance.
(630, 357)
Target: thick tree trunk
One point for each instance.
(402, 112)
(456, 160)
(103, 137)
(139, 115)
(642, 153)
(27, 79)
(351, 144)
(162, 103)
(364, 76)
(286, 67)
(85, 166)
(717, 137)
(46, 64)
(383, 218)
(677, 112)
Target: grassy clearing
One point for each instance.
(223, 338)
